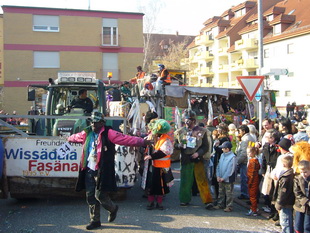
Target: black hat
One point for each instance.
(226, 145)
(285, 144)
(96, 117)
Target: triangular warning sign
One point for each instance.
(250, 84)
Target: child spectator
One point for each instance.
(283, 197)
(226, 175)
(302, 201)
(253, 179)
(221, 138)
(284, 147)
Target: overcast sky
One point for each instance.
(185, 16)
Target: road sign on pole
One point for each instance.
(258, 95)
(279, 71)
(250, 84)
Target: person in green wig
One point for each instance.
(161, 173)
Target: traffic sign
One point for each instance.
(258, 95)
(250, 84)
(279, 71)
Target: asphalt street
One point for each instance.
(71, 215)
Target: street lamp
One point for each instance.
(109, 76)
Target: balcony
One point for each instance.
(223, 68)
(203, 71)
(193, 81)
(237, 64)
(223, 84)
(246, 44)
(204, 40)
(193, 59)
(222, 51)
(206, 85)
(193, 74)
(206, 71)
(234, 84)
(250, 63)
(206, 55)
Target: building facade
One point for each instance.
(40, 42)
(227, 47)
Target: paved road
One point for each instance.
(71, 215)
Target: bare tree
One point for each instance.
(176, 52)
(151, 10)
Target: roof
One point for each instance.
(274, 10)
(4, 7)
(254, 27)
(283, 18)
(296, 15)
(246, 4)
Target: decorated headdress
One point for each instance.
(160, 126)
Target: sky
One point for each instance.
(183, 16)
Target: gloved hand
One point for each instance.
(148, 142)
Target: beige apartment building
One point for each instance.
(41, 42)
(227, 47)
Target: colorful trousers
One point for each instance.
(253, 190)
(189, 172)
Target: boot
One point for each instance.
(93, 225)
(150, 206)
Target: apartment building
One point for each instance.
(41, 42)
(227, 47)
(287, 48)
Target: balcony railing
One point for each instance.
(223, 51)
(223, 68)
(204, 40)
(237, 64)
(246, 44)
(206, 55)
(250, 63)
(206, 71)
(203, 71)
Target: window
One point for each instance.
(47, 23)
(266, 53)
(46, 60)
(209, 35)
(109, 32)
(277, 29)
(290, 48)
(291, 12)
(240, 12)
(288, 93)
(110, 64)
(269, 18)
